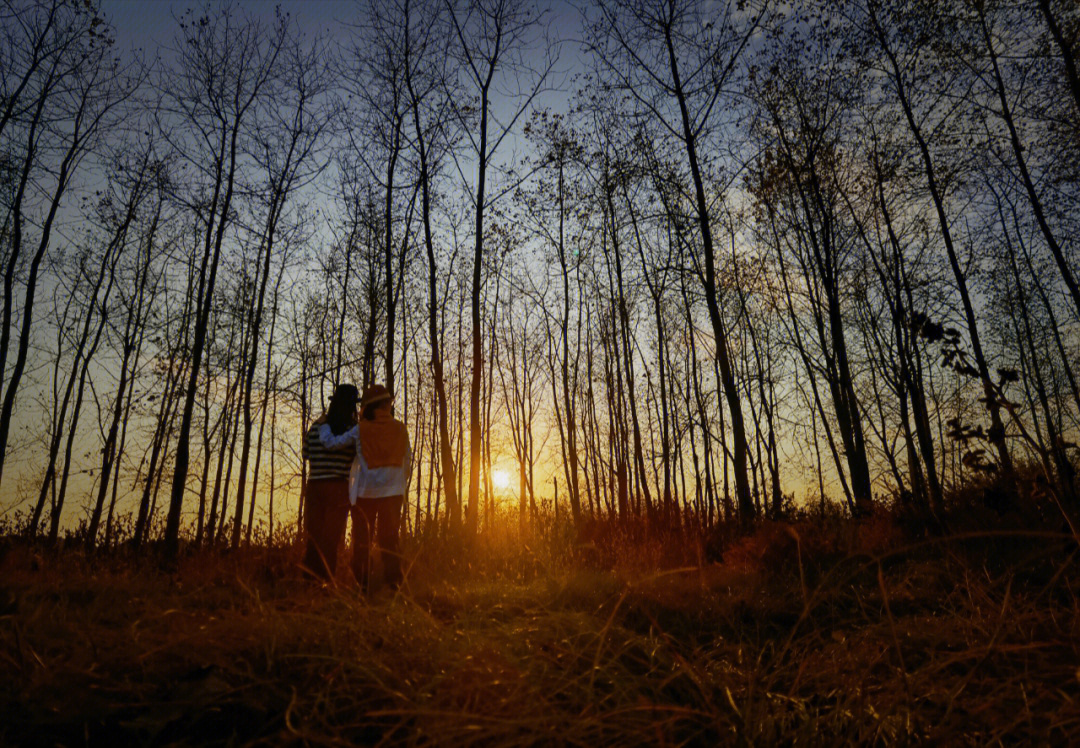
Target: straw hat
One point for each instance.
(373, 394)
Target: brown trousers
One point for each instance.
(381, 518)
(325, 513)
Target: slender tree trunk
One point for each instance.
(1055, 328)
(1063, 468)
(388, 259)
(571, 462)
(909, 369)
(15, 249)
(215, 236)
(446, 461)
(264, 406)
(997, 428)
(808, 364)
(162, 433)
(63, 176)
(1068, 56)
(1021, 163)
(113, 252)
(475, 435)
(628, 356)
(109, 449)
(59, 416)
(731, 392)
(279, 194)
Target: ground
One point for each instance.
(796, 634)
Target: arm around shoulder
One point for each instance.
(330, 440)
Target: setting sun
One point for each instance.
(500, 479)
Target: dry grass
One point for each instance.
(816, 633)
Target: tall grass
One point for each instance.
(817, 631)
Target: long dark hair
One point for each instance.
(340, 412)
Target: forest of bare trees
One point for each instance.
(672, 261)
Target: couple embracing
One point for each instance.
(360, 464)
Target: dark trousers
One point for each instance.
(378, 518)
(325, 513)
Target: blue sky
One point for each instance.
(144, 23)
(150, 25)
(147, 23)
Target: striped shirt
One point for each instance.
(326, 464)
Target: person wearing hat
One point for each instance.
(380, 472)
(327, 501)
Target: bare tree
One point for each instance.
(225, 66)
(888, 39)
(428, 105)
(493, 37)
(668, 55)
(286, 146)
(62, 92)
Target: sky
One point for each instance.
(149, 23)
(150, 26)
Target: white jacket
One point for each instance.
(366, 482)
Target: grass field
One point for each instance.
(820, 632)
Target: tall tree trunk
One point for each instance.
(446, 460)
(59, 415)
(388, 258)
(215, 237)
(1068, 56)
(997, 428)
(571, 462)
(279, 194)
(727, 377)
(73, 151)
(1021, 163)
(475, 435)
(109, 449)
(909, 371)
(108, 269)
(628, 352)
(163, 428)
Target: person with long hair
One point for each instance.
(327, 501)
(380, 473)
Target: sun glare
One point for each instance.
(500, 479)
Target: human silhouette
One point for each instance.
(380, 472)
(327, 500)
